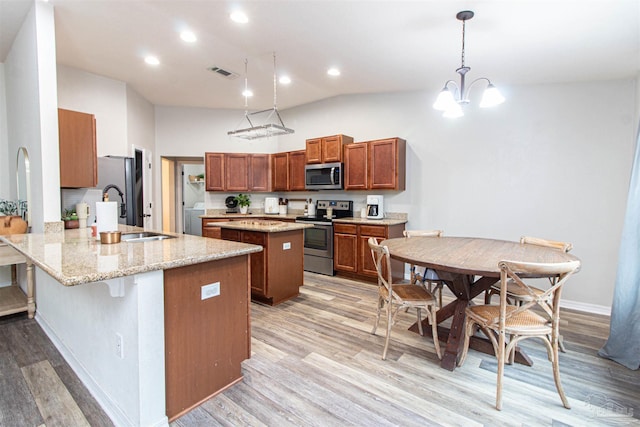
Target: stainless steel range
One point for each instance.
(318, 241)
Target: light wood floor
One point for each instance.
(314, 363)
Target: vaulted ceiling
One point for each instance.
(379, 46)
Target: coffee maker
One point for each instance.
(375, 207)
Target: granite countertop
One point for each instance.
(257, 215)
(73, 257)
(365, 221)
(263, 225)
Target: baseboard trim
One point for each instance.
(108, 406)
(586, 307)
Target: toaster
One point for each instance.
(271, 205)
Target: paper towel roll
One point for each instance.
(107, 216)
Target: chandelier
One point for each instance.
(268, 129)
(449, 101)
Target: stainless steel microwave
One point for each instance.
(325, 176)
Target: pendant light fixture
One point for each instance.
(451, 102)
(268, 129)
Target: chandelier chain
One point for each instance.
(464, 21)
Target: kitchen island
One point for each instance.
(134, 320)
(277, 271)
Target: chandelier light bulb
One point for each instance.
(491, 97)
(444, 101)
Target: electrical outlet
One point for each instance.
(210, 291)
(119, 351)
(286, 246)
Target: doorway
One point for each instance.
(181, 194)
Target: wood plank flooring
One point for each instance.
(315, 363)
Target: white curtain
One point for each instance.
(623, 344)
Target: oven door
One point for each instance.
(318, 240)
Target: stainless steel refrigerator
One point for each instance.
(123, 182)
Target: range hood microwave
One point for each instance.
(325, 176)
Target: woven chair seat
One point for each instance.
(413, 293)
(523, 323)
(518, 292)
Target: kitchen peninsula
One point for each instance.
(133, 319)
(277, 271)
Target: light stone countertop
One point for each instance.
(73, 257)
(263, 225)
(365, 221)
(256, 215)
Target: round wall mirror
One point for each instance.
(23, 183)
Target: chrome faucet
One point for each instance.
(123, 205)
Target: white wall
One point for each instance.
(105, 98)
(32, 119)
(4, 139)
(553, 161)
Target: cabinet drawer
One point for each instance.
(228, 234)
(345, 228)
(373, 230)
(254, 238)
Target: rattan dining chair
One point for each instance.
(426, 276)
(515, 294)
(396, 296)
(520, 322)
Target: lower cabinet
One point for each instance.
(351, 253)
(277, 271)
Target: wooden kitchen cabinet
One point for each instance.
(237, 172)
(236, 167)
(351, 253)
(78, 152)
(356, 166)
(327, 149)
(280, 171)
(277, 271)
(296, 170)
(214, 171)
(260, 172)
(383, 167)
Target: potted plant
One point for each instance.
(70, 219)
(244, 201)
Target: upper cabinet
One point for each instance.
(296, 170)
(375, 165)
(78, 152)
(280, 171)
(260, 172)
(327, 149)
(288, 171)
(237, 172)
(214, 171)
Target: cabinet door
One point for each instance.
(214, 171)
(259, 172)
(366, 265)
(345, 252)
(233, 235)
(258, 261)
(296, 170)
(332, 149)
(387, 164)
(314, 150)
(237, 172)
(78, 153)
(355, 166)
(280, 170)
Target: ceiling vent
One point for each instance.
(224, 73)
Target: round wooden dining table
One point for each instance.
(468, 266)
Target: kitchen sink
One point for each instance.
(145, 236)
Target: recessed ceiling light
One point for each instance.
(285, 80)
(152, 60)
(240, 17)
(247, 93)
(333, 72)
(188, 36)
